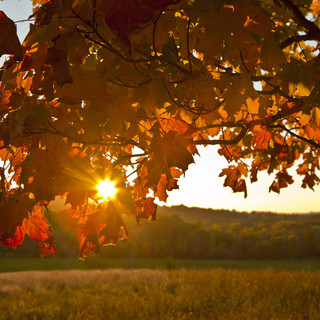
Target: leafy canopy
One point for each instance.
(98, 87)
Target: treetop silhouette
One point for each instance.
(98, 87)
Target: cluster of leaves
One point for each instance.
(99, 86)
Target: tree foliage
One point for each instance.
(98, 87)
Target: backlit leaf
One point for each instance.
(9, 41)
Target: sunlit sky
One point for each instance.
(201, 185)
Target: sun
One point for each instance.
(106, 189)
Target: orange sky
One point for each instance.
(201, 185)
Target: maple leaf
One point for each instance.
(297, 76)
(315, 7)
(99, 225)
(125, 16)
(282, 180)
(58, 61)
(176, 125)
(107, 85)
(13, 211)
(162, 187)
(146, 209)
(261, 137)
(38, 229)
(176, 151)
(9, 41)
(310, 180)
(233, 178)
(15, 240)
(253, 105)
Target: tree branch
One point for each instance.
(237, 139)
(298, 38)
(309, 141)
(302, 20)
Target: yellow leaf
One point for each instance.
(316, 116)
(305, 118)
(271, 56)
(315, 6)
(253, 105)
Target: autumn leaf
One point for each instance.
(15, 240)
(13, 211)
(176, 125)
(233, 178)
(38, 229)
(282, 180)
(297, 77)
(58, 62)
(315, 7)
(9, 41)
(161, 188)
(99, 225)
(176, 151)
(253, 105)
(146, 209)
(127, 16)
(261, 137)
(130, 89)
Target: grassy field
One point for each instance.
(160, 294)
(96, 262)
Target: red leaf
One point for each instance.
(146, 209)
(99, 225)
(176, 151)
(173, 184)
(58, 61)
(232, 180)
(261, 137)
(38, 229)
(15, 241)
(27, 62)
(274, 187)
(13, 211)
(310, 180)
(282, 180)
(125, 16)
(9, 41)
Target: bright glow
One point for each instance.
(106, 189)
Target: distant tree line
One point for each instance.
(254, 236)
(171, 236)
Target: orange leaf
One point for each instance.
(176, 125)
(232, 180)
(146, 209)
(282, 180)
(161, 188)
(175, 172)
(102, 224)
(38, 229)
(261, 137)
(14, 241)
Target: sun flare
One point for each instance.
(106, 189)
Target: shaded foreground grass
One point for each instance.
(160, 294)
(10, 264)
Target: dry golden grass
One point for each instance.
(158, 294)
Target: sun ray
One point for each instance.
(106, 189)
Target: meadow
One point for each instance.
(16, 263)
(160, 294)
(130, 281)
